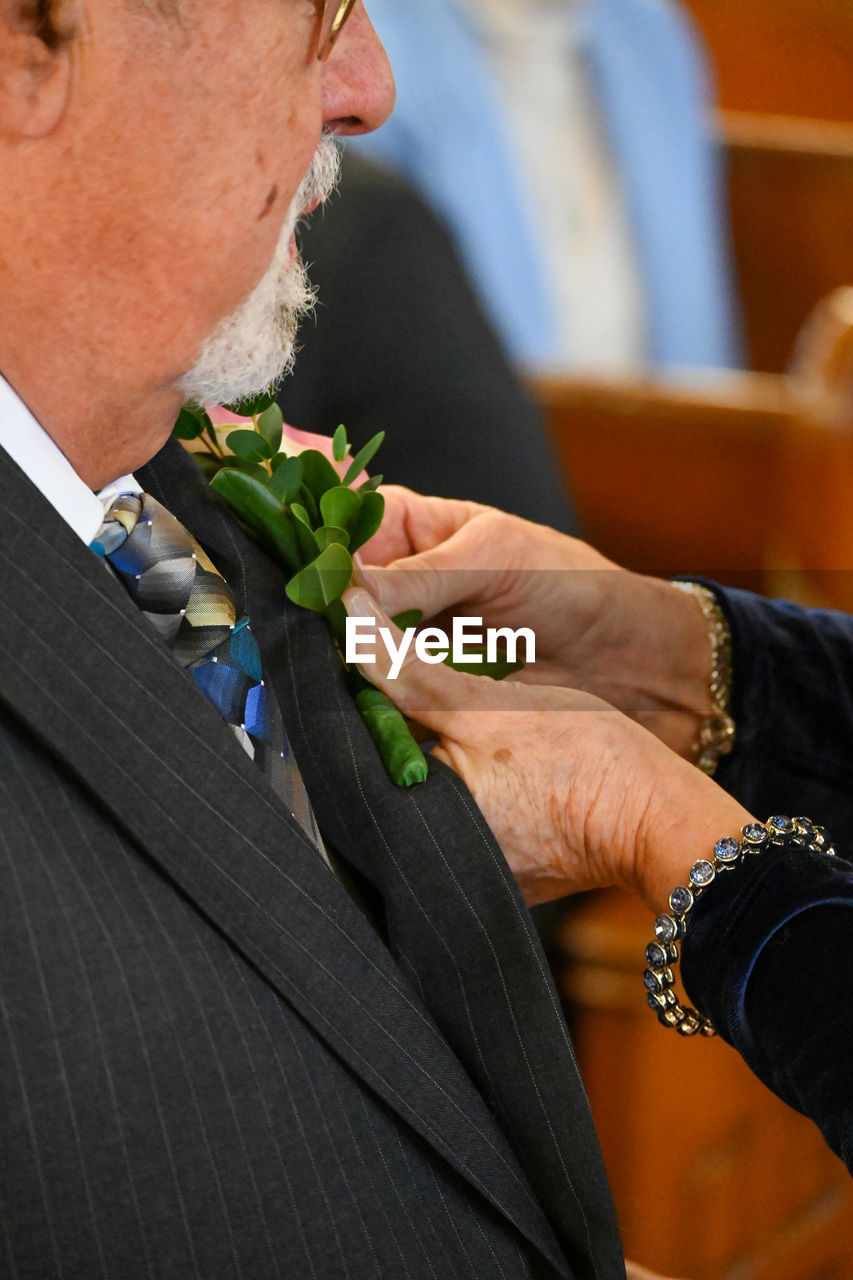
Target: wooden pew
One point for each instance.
(817, 458)
(793, 57)
(665, 479)
(790, 184)
(713, 1177)
(743, 477)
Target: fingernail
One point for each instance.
(360, 604)
(362, 577)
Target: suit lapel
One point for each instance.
(79, 664)
(456, 922)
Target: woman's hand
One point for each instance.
(632, 640)
(578, 795)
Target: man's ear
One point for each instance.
(35, 66)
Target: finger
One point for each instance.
(413, 523)
(391, 540)
(448, 574)
(432, 693)
(421, 582)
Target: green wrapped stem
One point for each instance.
(401, 755)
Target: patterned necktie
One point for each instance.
(190, 604)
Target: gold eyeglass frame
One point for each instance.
(324, 44)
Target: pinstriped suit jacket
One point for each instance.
(211, 1065)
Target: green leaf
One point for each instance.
(373, 483)
(340, 506)
(336, 619)
(190, 423)
(253, 469)
(248, 446)
(369, 519)
(262, 512)
(252, 405)
(408, 618)
(329, 533)
(340, 444)
(319, 473)
(363, 457)
(308, 544)
(270, 425)
(286, 478)
(323, 581)
(309, 502)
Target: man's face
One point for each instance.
(191, 134)
(254, 346)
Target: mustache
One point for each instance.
(321, 177)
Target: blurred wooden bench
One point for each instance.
(675, 477)
(790, 184)
(743, 477)
(793, 57)
(749, 479)
(713, 1177)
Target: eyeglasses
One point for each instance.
(331, 17)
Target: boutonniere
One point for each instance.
(312, 512)
(312, 508)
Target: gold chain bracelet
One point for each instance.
(717, 735)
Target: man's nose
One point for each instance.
(358, 87)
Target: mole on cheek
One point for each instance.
(502, 756)
(272, 196)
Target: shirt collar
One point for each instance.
(29, 445)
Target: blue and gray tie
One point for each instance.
(186, 599)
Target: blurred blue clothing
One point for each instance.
(448, 134)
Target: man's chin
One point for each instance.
(228, 374)
(253, 348)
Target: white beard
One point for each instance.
(253, 348)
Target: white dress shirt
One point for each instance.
(564, 157)
(29, 445)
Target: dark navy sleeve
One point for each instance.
(768, 958)
(769, 953)
(792, 702)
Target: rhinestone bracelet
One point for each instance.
(717, 734)
(662, 954)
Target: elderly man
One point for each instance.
(219, 1057)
